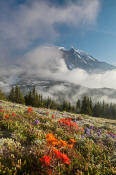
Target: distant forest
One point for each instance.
(83, 106)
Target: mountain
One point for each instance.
(75, 58)
(58, 85)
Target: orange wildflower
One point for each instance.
(62, 143)
(72, 140)
(81, 129)
(70, 146)
(29, 110)
(51, 140)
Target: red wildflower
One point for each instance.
(45, 160)
(47, 113)
(29, 110)
(68, 122)
(13, 114)
(53, 116)
(50, 171)
(57, 153)
(7, 116)
(62, 157)
(65, 159)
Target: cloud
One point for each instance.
(48, 62)
(21, 25)
(45, 61)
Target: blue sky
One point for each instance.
(88, 25)
(98, 40)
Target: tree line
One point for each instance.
(83, 106)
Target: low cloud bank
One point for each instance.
(48, 62)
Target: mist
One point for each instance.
(48, 62)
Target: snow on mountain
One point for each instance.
(57, 75)
(75, 58)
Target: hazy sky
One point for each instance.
(89, 25)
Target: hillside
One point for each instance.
(37, 141)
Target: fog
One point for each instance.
(48, 62)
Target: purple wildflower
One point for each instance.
(99, 132)
(92, 127)
(113, 136)
(36, 122)
(82, 136)
(87, 131)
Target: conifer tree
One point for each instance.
(2, 96)
(86, 107)
(19, 96)
(16, 95)
(11, 96)
(33, 98)
(78, 106)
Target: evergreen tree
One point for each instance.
(86, 107)
(78, 106)
(11, 96)
(18, 96)
(2, 96)
(33, 98)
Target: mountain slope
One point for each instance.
(79, 59)
(43, 141)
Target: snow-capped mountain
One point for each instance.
(75, 58)
(55, 73)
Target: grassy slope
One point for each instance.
(23, 142)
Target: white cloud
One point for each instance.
(48, 62)
(28, 22)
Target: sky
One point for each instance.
(88, 25)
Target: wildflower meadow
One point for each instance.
(39, 141)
